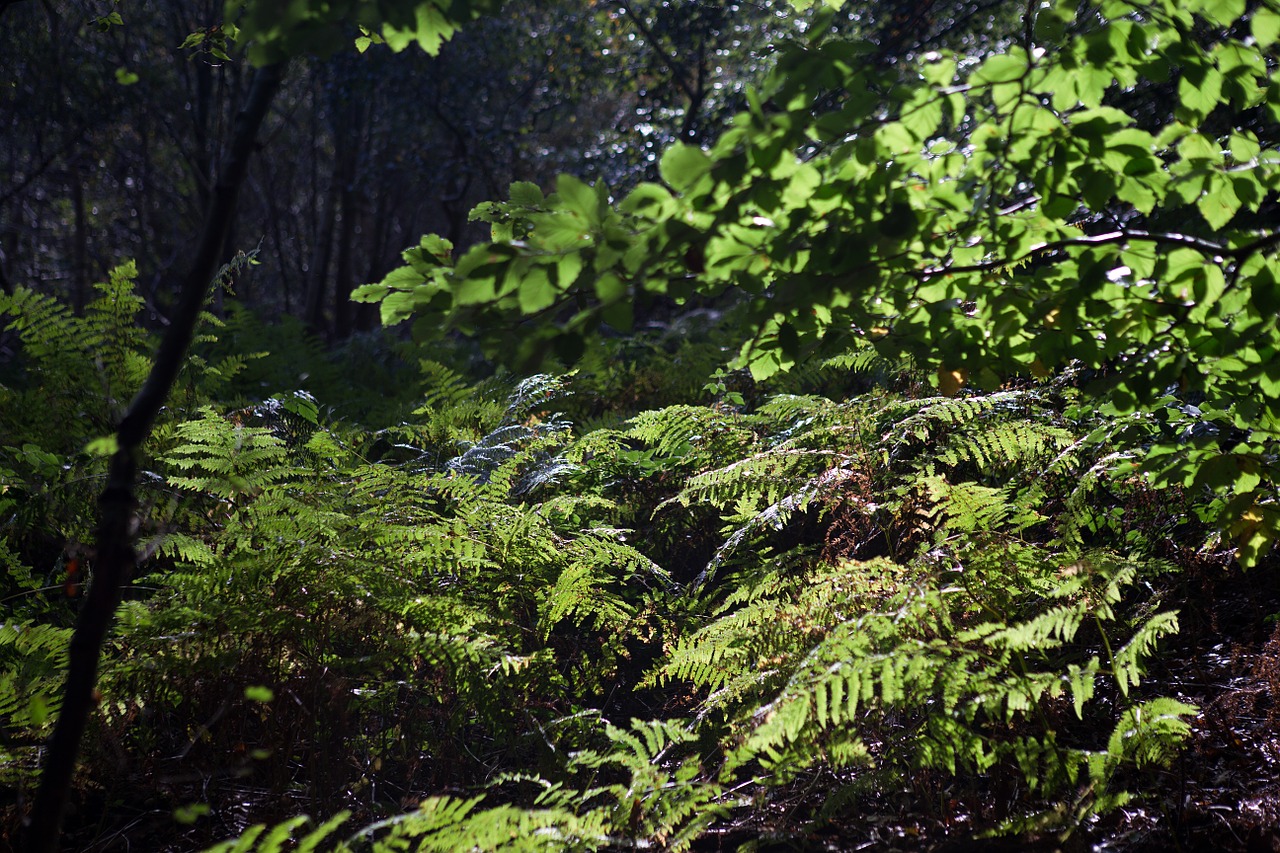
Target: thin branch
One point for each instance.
(1187, 241)
(116, 558)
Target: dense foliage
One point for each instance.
(605, 634)
(992, 219)
(853, 478)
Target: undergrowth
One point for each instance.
(442, 613)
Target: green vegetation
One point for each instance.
(867, 482)
(641, 631)
(992, 219)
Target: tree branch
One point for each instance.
(1187, 241)
(115, 560)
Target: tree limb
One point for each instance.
(116, 559)
(1188, 241)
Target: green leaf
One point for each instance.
(38, 709)
(610, 288)
(683, 165)
(1265, 27)
(895, 140)
(190, 813)
(535, 291)
(258, 693)
(580, 198)
(568, 268)
(437, 247)
(397, 307)
(370, 293)
(652, 200)
(922, 120)
(1219, 12)
(430, 30)
(1244, 146)
(106, 445)
(1219, 204)
(1002, 68)
(526, 194)
(1199, 91)
(475, 290)
(303, 405)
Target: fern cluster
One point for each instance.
(424, 633)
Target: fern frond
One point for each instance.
(442, 386)
(189, 549)
(1017, 445)
(676, 430)
(535, 394)
(447, 824)
(967, 507)
(33, 662)
(217, 456)
(765, 477)
(600, 576)
(1126, 663)
(112, 335)
(46, 327)
(933, 415)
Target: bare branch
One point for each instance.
(115, 558)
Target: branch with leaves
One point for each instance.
(1002, 219)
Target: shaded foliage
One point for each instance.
(349, 621)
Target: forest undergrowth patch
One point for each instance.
(777, 619)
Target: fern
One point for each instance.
(597, 585)
(444, 824)
(80, 371)
(678, 430)
(831, 661)
(33, 661)
(44, 324)
(219, 457)
(862, 588)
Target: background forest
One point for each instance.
(801, 426)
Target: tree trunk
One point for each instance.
(116, 558)
(342, 305)
(79, 240)
(313, 315)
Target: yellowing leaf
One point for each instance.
(951, 381)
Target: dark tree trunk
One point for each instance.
(342, 305)
(319, 272)
(115, 558)
(80, 240)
